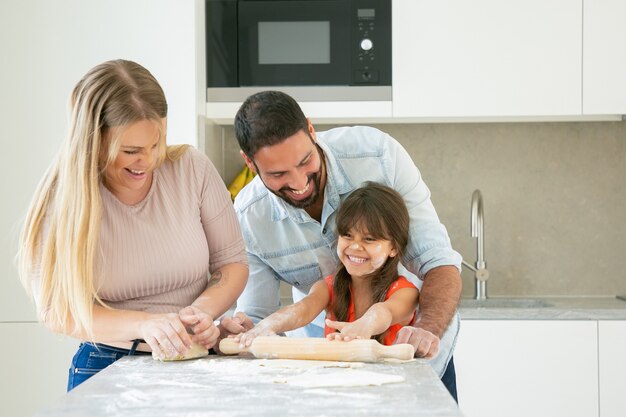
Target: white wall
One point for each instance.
(46, 46)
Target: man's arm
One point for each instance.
(429, 255)
(439, 299)
(437, 305)
(261, 296)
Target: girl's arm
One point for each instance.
(379, 317)
(290, 317)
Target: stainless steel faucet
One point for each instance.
(481, 274)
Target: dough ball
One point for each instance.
(196, 351)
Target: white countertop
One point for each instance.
(545, 308)
(139, 386)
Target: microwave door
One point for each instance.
(295, 43)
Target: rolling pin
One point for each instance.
(321, 349)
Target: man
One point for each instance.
(287, 219)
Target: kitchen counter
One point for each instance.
(544, 308)
(224, 386)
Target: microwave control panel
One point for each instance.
(371, 49)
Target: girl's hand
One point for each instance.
(166, 335)
(347, 331)
(261, 329)
(205, 333)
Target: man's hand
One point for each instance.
(230, 326)
(425, 343)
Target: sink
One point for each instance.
(502, 302)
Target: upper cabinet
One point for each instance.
(604, 57)
(487, 58)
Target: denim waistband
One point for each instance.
(127, 352)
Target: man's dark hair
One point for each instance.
(267, 118)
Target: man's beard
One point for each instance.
(314, 181)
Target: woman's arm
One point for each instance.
(399, 308)
(290, 317)
(223, 288)
(166, 334)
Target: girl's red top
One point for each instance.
(390, 334)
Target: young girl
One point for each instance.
(366, 297)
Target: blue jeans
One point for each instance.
(449, 379)
(91, 359)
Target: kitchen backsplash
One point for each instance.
(554, 199)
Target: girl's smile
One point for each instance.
(361, 253)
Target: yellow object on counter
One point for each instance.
(240, 181)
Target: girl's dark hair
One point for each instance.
(267, 118)
(381, 211)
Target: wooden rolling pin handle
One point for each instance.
(228, 346)
(403, 351)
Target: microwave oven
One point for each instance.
(298, 43)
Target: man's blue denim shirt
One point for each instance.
(285, 244)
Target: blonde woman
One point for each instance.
(123, 230)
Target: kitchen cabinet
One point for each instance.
(527, 368)
(489, 60)
(35, 365)
(604, 57)
(486, 58)
(612, 363)
(339, 111)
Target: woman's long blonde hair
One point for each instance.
(59, 242)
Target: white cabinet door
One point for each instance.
(459, 58)
(35, 365)
(527, 368)
(604, 57)
(612, 368)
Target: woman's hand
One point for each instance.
(347, 331)
(203, 329)
(166, 335)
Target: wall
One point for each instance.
(46, 47)
(554, 199)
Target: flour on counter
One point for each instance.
(260, 366)
(292, 372)
(306, 364)
(343, 378)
